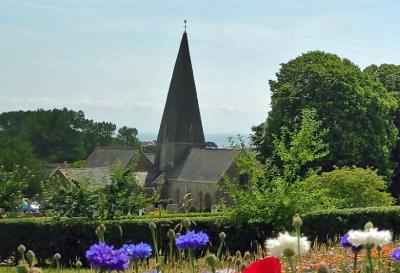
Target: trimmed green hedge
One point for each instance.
(330, 223)
(72, 237)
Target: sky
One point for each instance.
(114, 59)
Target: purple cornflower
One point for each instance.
(344, 241)
(106, 257)
(139, 251)
(396, 254)
(191, 240)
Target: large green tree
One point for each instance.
(389, 76)
(58, 135)
(356, 111)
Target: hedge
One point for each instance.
(72, 237)
(329, 224)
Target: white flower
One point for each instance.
(286, 243)
(371, 237)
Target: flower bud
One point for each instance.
(247, 255)
(297, 221)
(78, 264)
(238, 254)
(186, 223)
(323, 268)
(222, 236)
(368, 226)
(288, 252)
(57, 256)
(21, 249)
(30, 255)
(238, 263)
(152, 226)
(171, 234)
(101, 229)
(212, 260)
(229, 260)
(158, 267)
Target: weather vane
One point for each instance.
(185, 21)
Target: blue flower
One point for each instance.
(105, 257)
(396, 254)
(344, 241)
(139, 251)
(191, 240)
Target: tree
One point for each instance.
(348, 187)
(356, 111)
(123, 193)
(127, 137)
(300, 151)
(389, 76)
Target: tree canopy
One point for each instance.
(61, 135)
(356, 111)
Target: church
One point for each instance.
(182, 162)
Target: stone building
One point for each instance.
(182, 162)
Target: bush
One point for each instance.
(331, 223)
(348, 187)
(72, 236)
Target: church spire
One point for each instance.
(181, 125)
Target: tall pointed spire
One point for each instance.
(181, 125)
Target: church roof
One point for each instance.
(108, 156)
(98, 177)
(203, 165)
(181, 121)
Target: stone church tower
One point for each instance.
(181, 126)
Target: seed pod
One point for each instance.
(57, 256)
(212, 260)
(171, 234)
(222, 236)
(152, 226)
(21, 249)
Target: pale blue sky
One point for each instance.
(114, 59)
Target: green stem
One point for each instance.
(191, 260)
(136, 263)
(290, 262)
(355, 262)
(220, 249)
(298, 243)
(171, 251)
(369, 258)
(153, 234)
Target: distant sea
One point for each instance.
(220, 139)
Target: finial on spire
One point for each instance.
(185, 21)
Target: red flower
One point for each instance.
(267, 265)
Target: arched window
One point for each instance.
(207, 202)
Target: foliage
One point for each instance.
(348, 187)
(60, 135)
(330, 223)
(304, 147)
(127, 137)
(357, 112)
(72, 199)
(123, 193)
(16, 184)
(389, 76)
(271, 189)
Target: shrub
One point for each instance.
(330, 223)
(71, 237)
(348, 187)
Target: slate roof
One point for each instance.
(203, 165)
(98, 177)
(108, 156)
